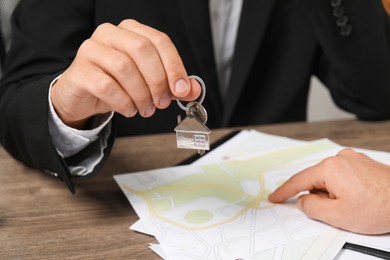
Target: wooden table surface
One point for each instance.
(40, 219)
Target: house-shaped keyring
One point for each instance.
(192, 134)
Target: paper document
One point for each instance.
(217, 208)
(221, 210)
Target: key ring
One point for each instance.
(202, 95)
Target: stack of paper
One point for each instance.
(217, 207)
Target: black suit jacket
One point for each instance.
(280, 45)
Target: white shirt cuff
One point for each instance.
(68, 140)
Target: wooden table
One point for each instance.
(40, 219)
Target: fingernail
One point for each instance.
(181, 86)
(299, 204)
(165, 100)
(132, 113)
(149, 111)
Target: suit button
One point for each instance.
(335, 3)
(338, 11)
(342, 21)
(346, 30)
(50, 173)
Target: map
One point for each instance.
(220, 210)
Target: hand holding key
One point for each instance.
(127, 68)
(192, 133)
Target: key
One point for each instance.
(192, 132)
(197, 110)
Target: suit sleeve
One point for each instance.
(354, 62)
(46, 36)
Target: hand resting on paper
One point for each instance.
(349, 191)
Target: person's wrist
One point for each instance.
(67, 120)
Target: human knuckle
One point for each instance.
(347, 152)
(104, 85)
(128, 23)
(122, 64)
(85, 47)
(162, 39)
(142, 44)
(103, 29)
(330, 161)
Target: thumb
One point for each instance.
(187, 90)
(321, 208)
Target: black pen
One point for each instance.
(367, 250)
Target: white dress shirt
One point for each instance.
(69, 141)
(225, 17)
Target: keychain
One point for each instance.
(191, 132)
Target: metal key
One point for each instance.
(191, 132)
(197, 110)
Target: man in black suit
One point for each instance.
(80, 73)
(129, 57)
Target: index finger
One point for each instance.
(311, 178)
